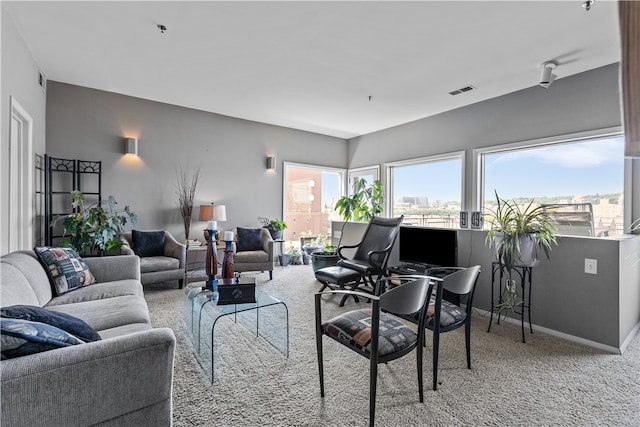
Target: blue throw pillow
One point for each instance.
(148, 243)
(249, 239)
(22, 337)
(66, 269)
(64, 321)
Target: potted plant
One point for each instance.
(327, 257)
(276, 228)
(295, 255)
(94, 229)
(313, 244)
(364, 204)
(515, 234)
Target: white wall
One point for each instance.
(19, 80)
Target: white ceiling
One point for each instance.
(313, 65)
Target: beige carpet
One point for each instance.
(545, 382)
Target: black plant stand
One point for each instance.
(525, 275)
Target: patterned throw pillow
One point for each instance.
(148, 243)
(66, 269)
(249, 239)
(64, 321)
(22, 337)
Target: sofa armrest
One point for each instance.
(118, 267)
(90, 383)
(267, 243)
(174, 249)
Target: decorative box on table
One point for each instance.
(237, 291)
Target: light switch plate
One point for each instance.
(590, 266)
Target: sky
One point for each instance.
(582, 168)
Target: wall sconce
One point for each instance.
(131, 146)
(271, 163)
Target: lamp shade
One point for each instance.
(206, 212)
(220, 213)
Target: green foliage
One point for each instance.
(514, 223)
(95, 228)
(364, 204)
(276, 224)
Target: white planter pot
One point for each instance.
(528, 250)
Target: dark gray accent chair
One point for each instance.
(255, 260)
(162, 268)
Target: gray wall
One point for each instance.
(604, 308)
(19, 80)
(89, 124)
(579, 103)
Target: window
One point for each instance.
(310, 193)
(428, 191)
(369, 174)
(584, 176)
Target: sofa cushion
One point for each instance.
(99, 291)
(22, 337)
(249, 239)
(64, 321)
(147, 243)
(66, 269)
(158, 263)
(251, 256)
(108, 313)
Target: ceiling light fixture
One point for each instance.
(546, 76)
(587, 5)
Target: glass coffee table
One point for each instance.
(267, 316)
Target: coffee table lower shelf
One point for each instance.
(267, 317)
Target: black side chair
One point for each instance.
(444, 316)
(368, 264)
(374, 333)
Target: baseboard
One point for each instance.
(568, 337)
(629, 338)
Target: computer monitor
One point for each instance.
(428, 246)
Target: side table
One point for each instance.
(524, 274)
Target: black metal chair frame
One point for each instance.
(463, 283)
(372, 264)
(410, 297)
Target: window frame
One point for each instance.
(452, 155)
(479, 166)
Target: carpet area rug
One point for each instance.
(546, 382)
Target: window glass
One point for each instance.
(310, 195)
(429, 193)
(585, 178)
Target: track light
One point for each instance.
(546, 76)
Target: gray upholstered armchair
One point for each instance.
(254, 250)
(162, 257)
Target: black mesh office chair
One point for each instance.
(376, 334)
(368, 264)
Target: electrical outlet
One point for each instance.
(591, 266)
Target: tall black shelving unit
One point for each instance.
(62, 177)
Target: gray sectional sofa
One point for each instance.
(123, 379)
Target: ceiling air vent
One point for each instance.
(462, 90)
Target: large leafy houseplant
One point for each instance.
(512, 228)
(94, 229)
(366, 202)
